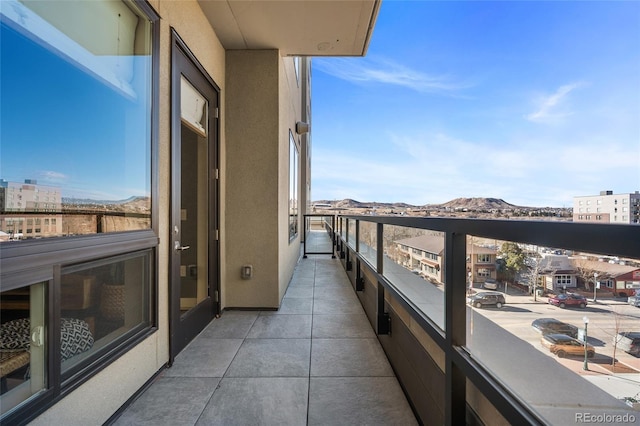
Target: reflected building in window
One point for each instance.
(22, 210)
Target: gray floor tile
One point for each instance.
(358, 401)
(205, 358)
(170, 401)
(231, 325)
(346, 293)
(272, 326)
(297, 282)
(272, 358)
(266, 360)
(341, 325)
(258, 401)
(332, 280)
(348, 358)
(293, 306)
(299, 292)
(336, 306)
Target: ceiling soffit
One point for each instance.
(295, 27)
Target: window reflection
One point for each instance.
(80, 106)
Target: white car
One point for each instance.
(490, 284)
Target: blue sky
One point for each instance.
(66, 128)
(532, 102)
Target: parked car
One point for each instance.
(635, 299)
(629, 341)
(568, 299)
(553, 326)
(490, 284)
(563, 345)
(485, 298)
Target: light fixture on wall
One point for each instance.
(302, 127)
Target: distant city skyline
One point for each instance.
(530, 102)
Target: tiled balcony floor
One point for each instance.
(316, 361)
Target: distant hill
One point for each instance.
(477, 203)
(348, 203)
(135, 203)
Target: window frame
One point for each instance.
(293, 210)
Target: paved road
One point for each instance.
(605, 318)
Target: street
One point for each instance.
(606, 318)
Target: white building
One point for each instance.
(607, 208)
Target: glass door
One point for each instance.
(194, 258)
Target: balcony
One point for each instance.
(317, 359)
(314, 361)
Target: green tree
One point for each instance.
(513, 260)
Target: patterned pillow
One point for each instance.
(14, 335)
(75, 336)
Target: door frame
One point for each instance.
(182, 329)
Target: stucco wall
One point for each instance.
(290, 112)
(252, 174)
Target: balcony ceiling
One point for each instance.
(300, 27)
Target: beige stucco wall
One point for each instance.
(263, 105)
(290, 112)
(251, 203)
(96, 400)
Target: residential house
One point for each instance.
(557, 272)
(424, 255)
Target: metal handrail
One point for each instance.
(329, 227)
(613, 240)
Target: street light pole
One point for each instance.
(586, 323)
(595, 285)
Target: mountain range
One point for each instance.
(475, 203)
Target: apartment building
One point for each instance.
(607, 207)
(425, 256)
(19, 198)
(201, 108)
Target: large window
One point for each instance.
(76, 141)
(293, 187)
(100, 302)
(76, 90)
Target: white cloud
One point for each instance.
(367, 70)
(52, 176)
(552, 108)
(437, 168)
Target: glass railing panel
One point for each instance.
(351, 233)
(529, 311)
(369, 242)
(414, 263)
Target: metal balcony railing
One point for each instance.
(448, 326)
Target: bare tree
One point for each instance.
(532, 275)
(585, 272)
(617, 328)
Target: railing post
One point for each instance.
(304, 243)
(384, 321)
(359, 277)
(333, 236)
(455, 326)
